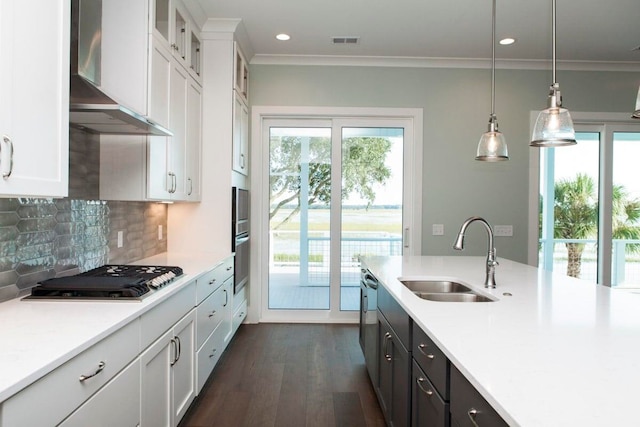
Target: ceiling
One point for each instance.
(588, 31)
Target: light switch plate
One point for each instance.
(503, 230)
(437, 229)
(159, 232)
(120, 238)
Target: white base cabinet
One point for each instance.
(167, 376)
(116, 404)
(145, 374)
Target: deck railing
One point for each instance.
(625, 263)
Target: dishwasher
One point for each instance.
(368, 333)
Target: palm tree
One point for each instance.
(575, 213)
(576, 216)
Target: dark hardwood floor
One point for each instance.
(289, 375)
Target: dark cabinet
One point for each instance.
(394, 372)
(428, 409)
(468, 407)
(369, 323)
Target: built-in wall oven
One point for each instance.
(240, 236)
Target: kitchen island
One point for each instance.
(549, 351)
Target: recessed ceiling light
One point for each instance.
(507, 41)
(283, 37)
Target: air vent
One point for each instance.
(345, 40)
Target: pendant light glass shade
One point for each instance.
(492, 146)
(554, 127)
(636, 114)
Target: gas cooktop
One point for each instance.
(109, 282)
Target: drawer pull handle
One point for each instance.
(472, 416)
(101, 366)
(229, 268)
(213, 353)
(213, 313)
(212, 281)
(419, 381)
(421, 347)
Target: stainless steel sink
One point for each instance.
(434, 286)
(451, 297)
(443, 290)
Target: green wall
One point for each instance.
(456, 104)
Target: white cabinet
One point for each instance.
(116, 404)
(171, 24)
(240, 135)
(169, 168)
(63, 390)
(168, 375)
(214, 324)
(34, 111)
(194, 142)
(241, 73)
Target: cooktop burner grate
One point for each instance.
(112, 282)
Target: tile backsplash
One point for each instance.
(44, 238)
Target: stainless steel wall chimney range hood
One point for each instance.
(90, 109)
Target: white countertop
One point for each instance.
(39, 335)
(558, 352)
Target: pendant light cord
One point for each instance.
(553, 39)
(493, 60)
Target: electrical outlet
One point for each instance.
(437, 229)
(160, 232)
(503, 230)
(120, 239)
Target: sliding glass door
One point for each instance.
(336, 192)
(590, 206)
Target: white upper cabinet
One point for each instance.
(170, 23)
(241, 74)
(168, 167)
(193, 141)
(34, 97)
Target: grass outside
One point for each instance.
(353, 220)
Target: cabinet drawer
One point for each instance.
(432, 361)
(162, 317)
(211, 313)
(428, 408)
(468, 407)
(60, 392)
(208, 356)
(396, 316)
(116, 404)
(213, 279)
(238, 316)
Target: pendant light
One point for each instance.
(554, 127)
(492, 146)
(636, 114)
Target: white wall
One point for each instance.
(456, 105)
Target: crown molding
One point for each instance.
(411, 62)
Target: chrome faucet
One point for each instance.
(490, 279)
